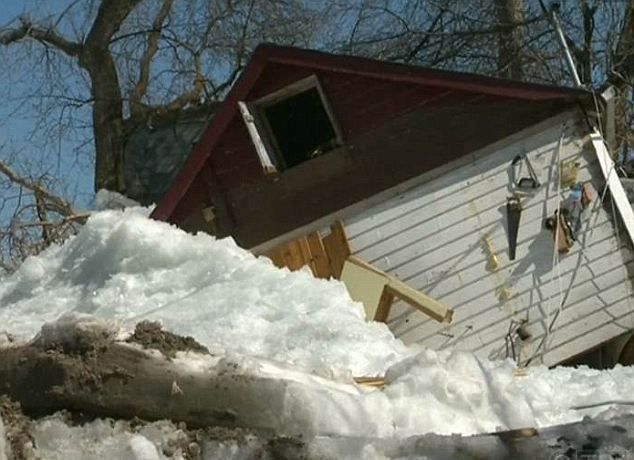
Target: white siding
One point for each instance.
(432, 236)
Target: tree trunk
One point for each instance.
(585, 56)
(106, 378)
(510, 14)
(120, 381)
(107, 112)
(107, 115)
(96, 377)
(621, 78)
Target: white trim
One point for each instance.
(613, 183)
(288, 91)
(609, 131)
(260, 148)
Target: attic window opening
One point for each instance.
(293, 125)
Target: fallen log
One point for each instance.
(592, 439)
(88, 371)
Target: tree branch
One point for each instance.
(109, 18)
(411, 54)
(44, 35)
(140, 89)
(181, 101)
(623, 62)
(60, 205)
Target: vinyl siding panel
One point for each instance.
(432, 236)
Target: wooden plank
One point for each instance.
(293, 257)
(391, 287)
(304, 253)
(385, 305)
(431, 307)
(277, 256)
(374, 382)
(337, 248)
(306, 250)
(320, 262)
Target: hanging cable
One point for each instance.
(555, 269)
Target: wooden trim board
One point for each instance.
(337, 248)
(364, 281)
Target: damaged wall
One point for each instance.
(439, 237)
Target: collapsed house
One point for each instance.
(464, 211)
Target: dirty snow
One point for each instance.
(103, 439)
(3, 441)
(124, 267)
(108, 439)
(127, 267)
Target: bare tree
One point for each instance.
(35, 216)
(144, 59)
(100, 67)
(511, 40)
(458, 36)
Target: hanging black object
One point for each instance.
(520, 180)
(513, 214)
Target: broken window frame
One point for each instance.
(260, 131)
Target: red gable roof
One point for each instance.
(310, 59)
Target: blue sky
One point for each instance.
(19, 118)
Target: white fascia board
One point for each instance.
(613, 183)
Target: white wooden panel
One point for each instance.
(365, 286)
(432, 236)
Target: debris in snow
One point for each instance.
(77, 332)
(126, 267)
(99, 439)
(443, 393)
(8, 340)
(55, 438)
(150, 334)
(268, 330)
(115, 378)
(3, 443)
(15, 431)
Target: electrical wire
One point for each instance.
(555, 259)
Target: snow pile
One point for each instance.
(74, 328)
(127, 267)
(455, 392)
(106, 199)
(102, 439)
(107, 439)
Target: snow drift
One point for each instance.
(125, 268)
